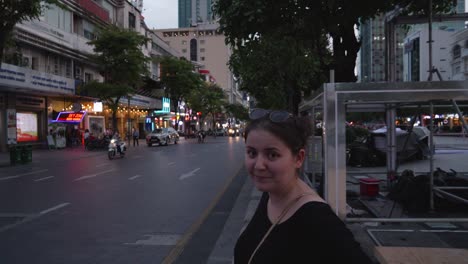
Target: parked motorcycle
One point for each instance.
(97, 143)
(116, 146)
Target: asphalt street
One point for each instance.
(76, 206)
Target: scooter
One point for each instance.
(115, 147)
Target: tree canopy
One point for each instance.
(13, 12)
(121, 62)
(208, 99)
(178, 79)
(323, 30)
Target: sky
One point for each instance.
(161, 13)
(164, 13)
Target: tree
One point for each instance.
(208, 99)
(13, 12)
(277, 69)
(238, 111)
(121, 62)
(178, 79)
(307, 25)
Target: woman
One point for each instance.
(292, 223)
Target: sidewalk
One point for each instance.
(248, 199)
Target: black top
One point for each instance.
(314, 234)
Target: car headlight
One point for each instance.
(113, 141)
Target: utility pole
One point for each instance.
(129, 123)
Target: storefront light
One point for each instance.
(97, 107)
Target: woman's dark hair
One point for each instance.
(293, 132)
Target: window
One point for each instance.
(456, 52)
(193, 50)
(202, 58)
(184, 42)
(202, 41)
(88, 77)
(34, 63)
(131, 20)
(184, 50)
(202, 50)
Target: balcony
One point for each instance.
(97, 10)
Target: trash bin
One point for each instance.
(15, 155)
(26, 154)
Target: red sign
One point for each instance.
(74, 117)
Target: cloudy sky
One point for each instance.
(161, 13)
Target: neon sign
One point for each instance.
(166, 106)
(70, 117)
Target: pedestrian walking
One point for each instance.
(136, 136)
(292, 223)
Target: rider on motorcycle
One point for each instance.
(116, 136)
(202, 133)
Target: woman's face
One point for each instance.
(269, 161)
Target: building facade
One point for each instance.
(42, 74)
(205, 46)
(416, 55)
(372, 53)
(194, 12)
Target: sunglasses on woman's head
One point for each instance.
(274, 115)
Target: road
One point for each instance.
(139, 209)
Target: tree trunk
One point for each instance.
(114, 121)
(345, 49)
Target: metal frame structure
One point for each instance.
(334, 99)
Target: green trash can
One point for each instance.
(26, 154)
(15, 155)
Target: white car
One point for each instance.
(162, 136)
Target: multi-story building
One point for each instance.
(416, 55)
(41, 75)
(205, 46)
(372, 53)
(194, 12)
(458, 56)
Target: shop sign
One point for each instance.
(18, 77)
(70, 117)
(30, 101)
(11, 126)
(141, 101)
(166, 106)
(97, 107)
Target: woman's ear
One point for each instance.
(300, 156)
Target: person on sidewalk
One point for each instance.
(136, 136)
(292, 223)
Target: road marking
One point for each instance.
(93, 175)
(23, 174)
(179, 248)
(43, 179)
(134, 177)
(170, 163)
(157, 240)
(29, 218)
(190, 174)
(102, 165)
(53, 208)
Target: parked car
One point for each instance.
(162, 136)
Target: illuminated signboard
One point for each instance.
(166, 106)
(70, 117)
